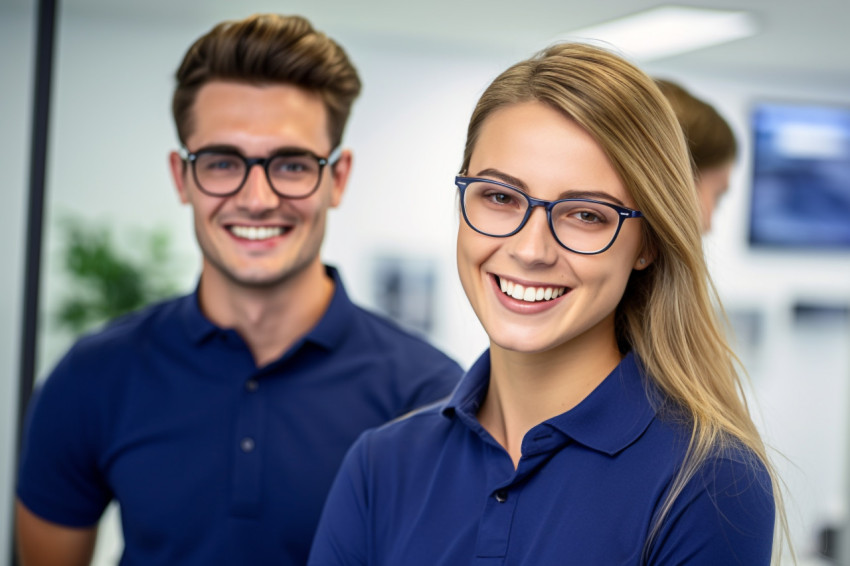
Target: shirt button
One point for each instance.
(247, 444)
(501, 496)
(251, 385)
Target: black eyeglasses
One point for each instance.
(291, 174)
(583, 226)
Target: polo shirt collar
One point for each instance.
(328, 333)
(198, 327)
(335, 323)
(615, 414)
(608, 420)
(469, 393)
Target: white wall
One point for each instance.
(112, 132)
(111, 136)
(16, 55)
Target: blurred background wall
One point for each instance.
(16, 60)
(111, 132)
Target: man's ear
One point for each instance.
(178, 174)
(339, 172)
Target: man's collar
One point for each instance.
(334, 324)
(198, 327)
(329, 331)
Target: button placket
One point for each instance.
(499, 509)
(246, 479)
(496, 522)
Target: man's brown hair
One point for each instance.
(268, 49)
(709, 136)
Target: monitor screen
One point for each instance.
(801, 176)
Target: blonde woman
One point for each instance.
(605, 423)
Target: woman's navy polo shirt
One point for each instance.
(212, 459)
(435, 488)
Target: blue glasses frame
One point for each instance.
(623, 213)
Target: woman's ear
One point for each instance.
(645, 257)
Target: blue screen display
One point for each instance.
(801, 176)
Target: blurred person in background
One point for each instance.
(711, 142)
(217, 420)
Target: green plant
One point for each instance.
(104, 282)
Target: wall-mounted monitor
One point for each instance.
(800, 177)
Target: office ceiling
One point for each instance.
(799, 40)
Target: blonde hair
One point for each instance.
(667, 315)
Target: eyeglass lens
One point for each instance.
(582, 226)
(295, 175)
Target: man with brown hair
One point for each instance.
(217, 420)
(711, 142)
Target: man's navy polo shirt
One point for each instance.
(213, 460)
(436, 488)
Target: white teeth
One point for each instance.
(256, 232)
(518, 291)
(530, 294)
